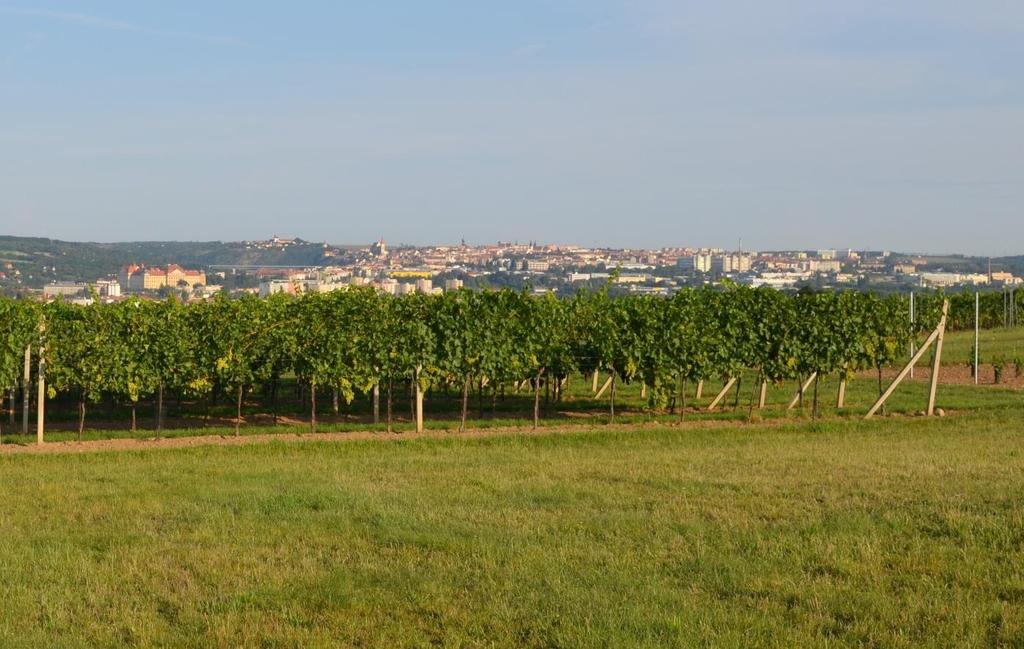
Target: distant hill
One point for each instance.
(41, 261)
(966, 264)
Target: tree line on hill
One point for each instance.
(41, 261)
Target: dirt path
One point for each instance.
(955, 374)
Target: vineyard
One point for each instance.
(784, 532)
(362, 349)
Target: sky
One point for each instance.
(634, 123)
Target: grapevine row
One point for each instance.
(359, 341)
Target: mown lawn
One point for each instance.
(898, 532)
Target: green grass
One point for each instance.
(957, 345)
(897, 532)
(579, 408)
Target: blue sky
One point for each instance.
(799, 124)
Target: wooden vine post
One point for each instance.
(25, 384)
(938, 359)
(41, 396)
(764, 395)
(376, 402)
(419, 401)
(721, 395)
(936, 335)
(798, 397)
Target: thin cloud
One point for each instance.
(98, 22)
(530, 50)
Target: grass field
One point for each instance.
(577, 407)
(958, 345)
(896, 532)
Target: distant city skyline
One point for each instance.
(624, 123)
(392, 244)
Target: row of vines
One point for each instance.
(994, 309)
(358, 341)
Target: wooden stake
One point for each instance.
(41, 396)
(25, 390)
(721, 395)
(937, 360)
(906, 369)
(643, 390)
(593, 380)
(841, 397)
(700, 389)
(764, 395)
(536, 399)
(611, 400)
(682, 398)
(419, 402)
(376, 402)
(604, 387)
(800, 392)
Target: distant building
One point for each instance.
(380, 249)
(698, 263)
(108, 287)
(272, 286)
(632, 279)
(730, 263)
(777, 280)
(66, 289)
(452, 284)
(135, 278)
(1003, 277)
(952, 279)
(535, 265)
(824, 265)
(425, 286)
(410, 274)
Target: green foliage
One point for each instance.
(82, 350)
(999, 363)
(19, 326)
(354, 339)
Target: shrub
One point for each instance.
(998, 366)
